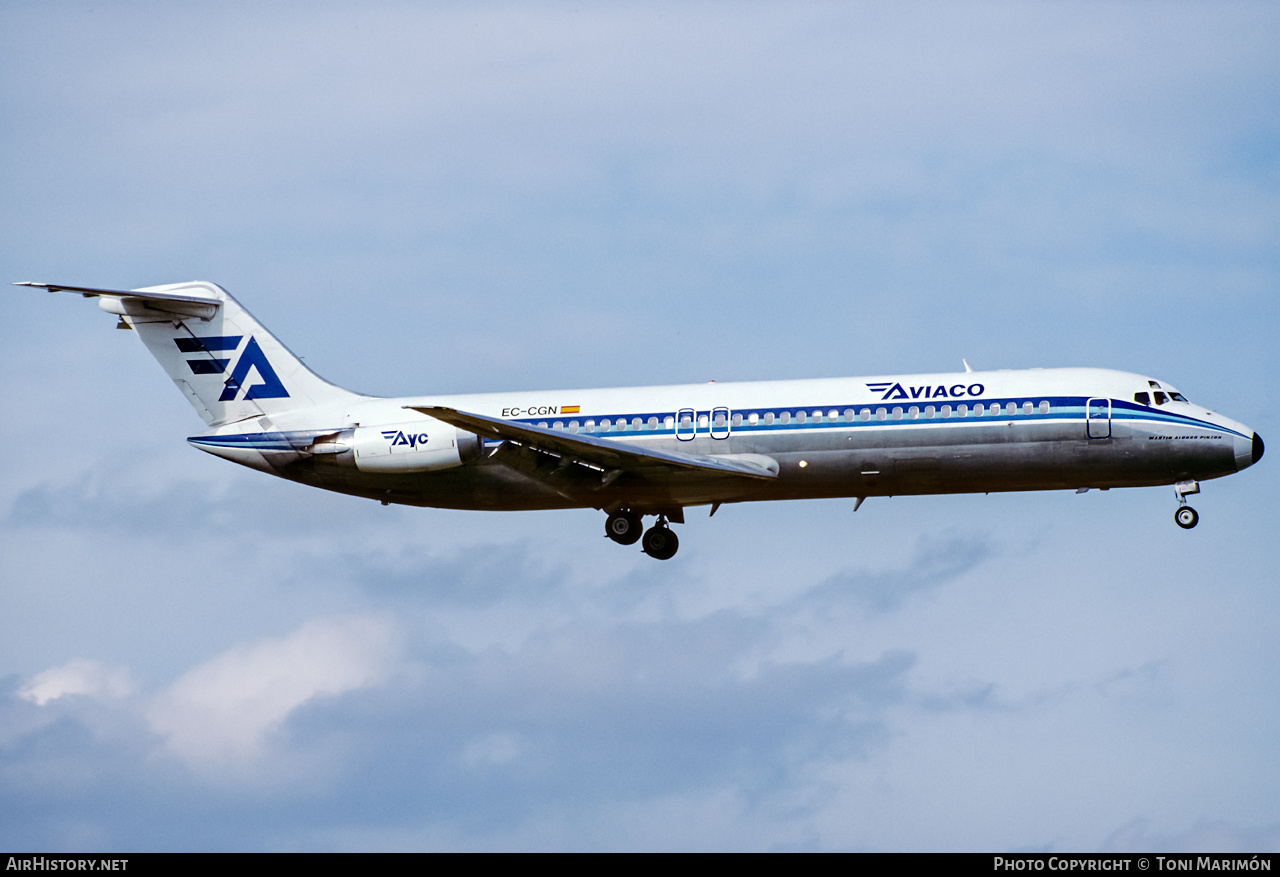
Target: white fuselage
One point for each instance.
(910, 434)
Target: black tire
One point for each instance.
(1186, 517)
(624, 528)
(660, 543)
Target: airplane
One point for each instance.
(655, 451)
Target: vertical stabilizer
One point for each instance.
(225, 362)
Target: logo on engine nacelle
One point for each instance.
(399, 437)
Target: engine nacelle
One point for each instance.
(422, 445)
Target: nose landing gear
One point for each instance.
(1185, 517)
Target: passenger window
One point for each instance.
(737, 420)
(979, 410)
(669, 423)
(833, 415)
(1044, 406)
(685, 421)
(559, 424)
(784, 417)
(928, 412)
(542, 423)
(753, 418)
(801, 417)
(848, 415)
(635, 423)
(914, 413)
(573, 426)
(962, 410)
(768, 418)
(653, 423)
(881, 414)
(1011, 408)
(590, 426)
(897, 412)
(945, 411)
(866, 414)
(702, 421)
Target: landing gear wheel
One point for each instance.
(624, 527)
(660, 543)
(1186, 517)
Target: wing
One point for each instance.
(613, 457)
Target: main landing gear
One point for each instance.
(1185, 517)
(624, 527)
(659, 540)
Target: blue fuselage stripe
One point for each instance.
(1061, 408)
(877, 414)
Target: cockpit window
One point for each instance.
(1161, 398)
(1177, 397)
(1142, 398)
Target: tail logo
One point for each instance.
(251, 358)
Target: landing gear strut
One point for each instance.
(1185, 517)
(659, 542)
(624, 527)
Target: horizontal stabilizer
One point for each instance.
(605, 453)
(145, 295)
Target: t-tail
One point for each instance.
(223, 360)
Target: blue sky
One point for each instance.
(475, 197)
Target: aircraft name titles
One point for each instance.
(942, 391)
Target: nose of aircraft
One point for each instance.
(1248, 452)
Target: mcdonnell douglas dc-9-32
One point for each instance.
(655, 451)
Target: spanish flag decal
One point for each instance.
(569, 409)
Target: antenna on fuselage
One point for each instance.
(967, 367)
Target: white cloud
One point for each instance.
(224, 709)
(78, 676)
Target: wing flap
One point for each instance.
(606, 454)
